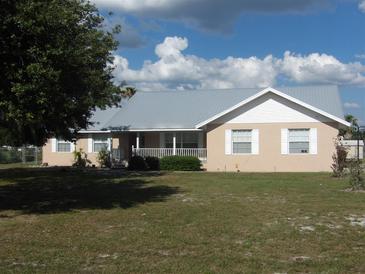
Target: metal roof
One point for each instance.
(185, 109)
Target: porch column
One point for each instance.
(174, 144)
(137, 141)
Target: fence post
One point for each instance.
(36, 155)
(23, 155)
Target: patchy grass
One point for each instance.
(72, 221)
(18, 165)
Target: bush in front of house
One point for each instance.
(103, 158)
(80, 159)
(180, 163)
(137, 163)
(153, 163)
(339, 159)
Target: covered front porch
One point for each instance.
(167, 143)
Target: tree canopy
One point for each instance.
(55, 69)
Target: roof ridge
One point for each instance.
(195, 90)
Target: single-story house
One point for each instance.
(265, 130)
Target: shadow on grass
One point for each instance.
(52, 191)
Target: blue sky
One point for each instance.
(242, 43)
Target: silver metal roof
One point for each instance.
(185, 109)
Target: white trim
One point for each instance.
(279, 93)
(54, 144)
(228, 142)
(255, 141)
(313, 140)
(164, 129)
(284, 141)
(137, 141)
(110, 144)
(141, 130)
(174, 144)
(90, 144)
(94, 131)
(72, 146)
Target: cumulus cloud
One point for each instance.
(175, 70)
(216, 15)
(362, 5)
(321, 68)
(351, 105)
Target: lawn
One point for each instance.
(72, 221)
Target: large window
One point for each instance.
(63, 146)
(100, 144)
(242, 141)
(298, 141)
(183, 140)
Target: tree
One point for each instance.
(55, 69)
(349, 133)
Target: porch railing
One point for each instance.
(200, 153)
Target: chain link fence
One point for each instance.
(22, 155)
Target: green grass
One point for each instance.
(18, 165)
(72, 221)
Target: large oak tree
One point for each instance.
(54, 69)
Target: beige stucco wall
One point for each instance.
(270, 158)
(66, 158)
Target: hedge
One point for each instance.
(153, 163)
(137, 163)
(182, 163)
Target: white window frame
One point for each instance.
(309, 142)
(96, 140)
(61, 141)
(240, 153)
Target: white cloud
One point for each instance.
(175, 70)
(321, 68)
(351, 105)
(362, 5)
(215, 15)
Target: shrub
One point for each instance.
(182, 163)
(137, 163)
(339, 159)
(103, 158)
(153, 163)
(80, 159)
(357, 180)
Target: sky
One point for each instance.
(205, 44)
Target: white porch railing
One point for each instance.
(200, 153)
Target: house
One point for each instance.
(264, 130)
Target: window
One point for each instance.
(189, 140)
(298, 141)
(63, 146)
(183, 140)
(100, 144)
(242, 141)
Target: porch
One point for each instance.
(161, 144)
(200, 153)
